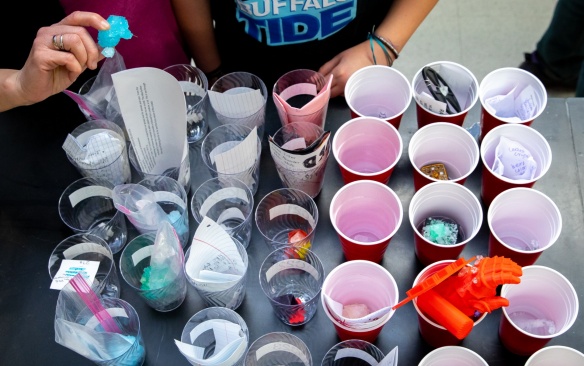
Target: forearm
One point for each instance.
(10, 96)
(404, 17)
(196, 24)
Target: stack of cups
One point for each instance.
(357, 297)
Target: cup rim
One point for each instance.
(501, 196)
(446, 348)
(526, 129)
(386, 188)
(335, 147)
(381, 67)
(460, 66)
(533, 357)
(447, 125)
(505, 288)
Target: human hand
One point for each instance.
(59, 54)
(343, 65)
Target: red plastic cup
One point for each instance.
(444, 200)
(361, 282)
(366, 215)
(453, 356)
(501, 82)
(545, 295)
(531, 139)
(550, 356)
(464, 86)
(367, 148)
(445, 143)
(433, 333)
(523, 222)
(378, 91)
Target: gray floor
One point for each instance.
(482, 35)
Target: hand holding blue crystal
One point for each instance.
(110, 38)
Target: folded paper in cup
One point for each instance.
(96, 150)
(370, 320)
(214, 263)
(307, 111)
(230, 343)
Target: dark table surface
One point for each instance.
(34, 171)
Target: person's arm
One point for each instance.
(48, 69)
(196, 25)
(400, 23)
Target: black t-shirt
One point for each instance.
(253, 36)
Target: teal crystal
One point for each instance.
(440, 231)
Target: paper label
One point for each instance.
(69, 268)
(290, 209)
(291, 264)
(89, 191)
(356, 353)
(234, 193)
(142, 253)
(281, 346)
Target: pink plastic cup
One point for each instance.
(550, 356)
(532, 140)
(543, 306)
(503, 81)
(433, 333)
(367, 148)
(366, 215)
(362, 282)
(523, 222)
(464, 86)
(445, 143)
(453, 356)
(378, 91)
(444, 200)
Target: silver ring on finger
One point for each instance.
(58, 42)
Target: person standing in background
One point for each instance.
(558, 59)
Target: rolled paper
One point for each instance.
(444, 313)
